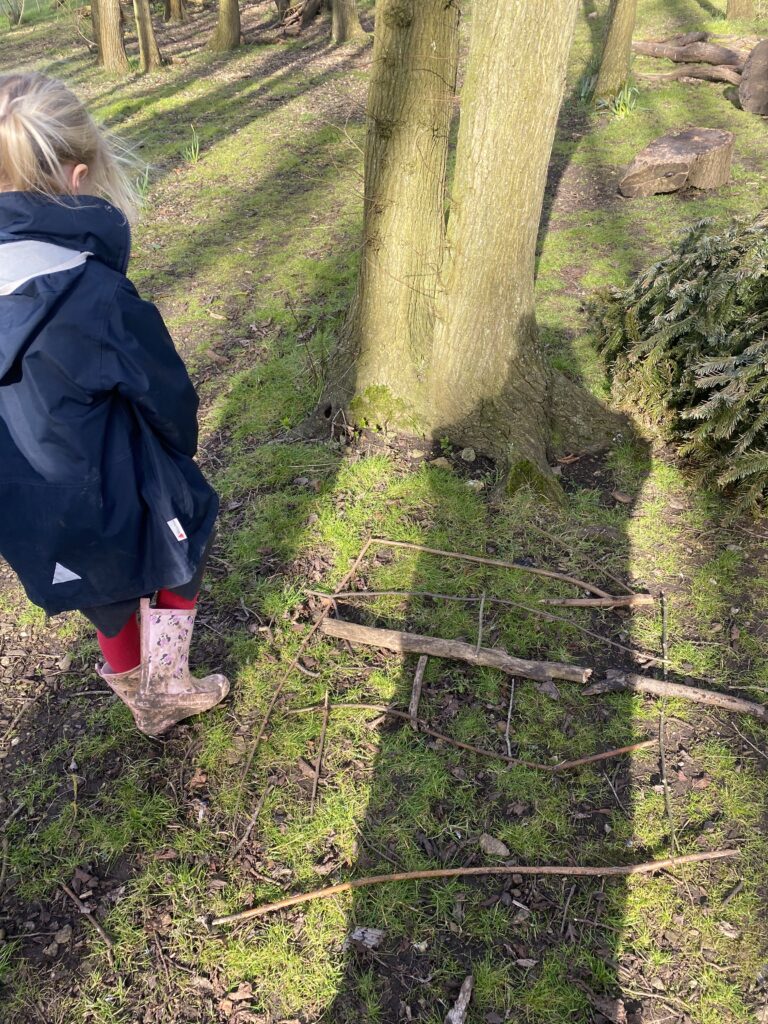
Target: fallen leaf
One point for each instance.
(625, 499)
(524, 963)
(730, 931)
(549, 689)
(364, 938)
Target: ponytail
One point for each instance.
(43, 127)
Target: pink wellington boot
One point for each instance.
(166, 692)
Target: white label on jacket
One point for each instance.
(61, 574)
(177, 529)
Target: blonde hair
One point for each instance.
(43, 127)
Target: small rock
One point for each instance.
(468, 454)
(475, 485)
(66, 663)
(365, 938)
(625, 499)
(441, 463)
(658, 984)
(51, 950)
(417, 453)
(63, 935)
(493, 847)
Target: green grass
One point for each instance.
(251, 251)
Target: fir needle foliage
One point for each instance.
(688, 346)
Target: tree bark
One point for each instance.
(149, 52)
(692, 53)
(489, 384)
(740, 9)
(377, 375)
(227, 34)
(345, 22)
(617, 49)
(176, 12)
(96, 30)
(111, 43)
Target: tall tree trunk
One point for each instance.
(740, 9)
(175, 12)
(345, 25)
(112, 45)
(386, 345)
(617, 49)
(227, 34)
(149, 51)
(96, 30)
(488, 382)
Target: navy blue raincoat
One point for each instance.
(100, 499)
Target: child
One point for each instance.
(102, 503)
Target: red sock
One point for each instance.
(167, 599)
(122, 652)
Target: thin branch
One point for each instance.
(509, 715)
(251, 824)
(425, 728)
(618, 601)
(550, 574)
(480, 624)
(88, 914)
(319, 761)
(616, 681)
(570, 871)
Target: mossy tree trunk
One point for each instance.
(176, 12)
(381, 363)
(740, 9)
(488, 381)
(227, 34)
(149, 52)
(441, 338)
(617, 48)
(345, 22)
(111, 43)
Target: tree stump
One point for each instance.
(695, 157)
(753, 89)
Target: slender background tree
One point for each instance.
(345, 22)
(227, 34)
(740, 9)
(617, 48)
(175, 11)
(111, 43)
(149, 52)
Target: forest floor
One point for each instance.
(249, 245)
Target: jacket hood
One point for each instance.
(81, 223)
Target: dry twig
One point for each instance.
(615, 681)
(319, 761)
(418, 683)
(425, 728)
(570, 871)
(89, 915)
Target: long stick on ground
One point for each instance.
(414, 643)
(570, 871)
(619, 601)
(705, 72)
(547, 616)
(549, 573)
(460, 745)
(615, 681)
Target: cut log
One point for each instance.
(695, 157)
(707, 72)
(686, 39)
(692, 53)
(615, 681)
(753, 89)
(412, 643)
